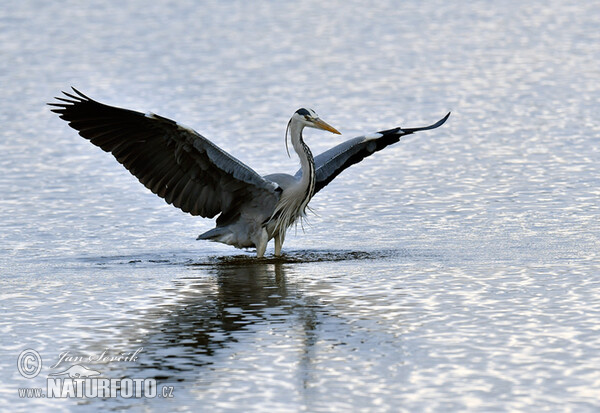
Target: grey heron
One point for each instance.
(193, 174)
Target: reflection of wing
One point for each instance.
(332, 162)
(173, 161)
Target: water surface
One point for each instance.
(457, 270)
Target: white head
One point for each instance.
(307, 118)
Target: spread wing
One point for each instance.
(332, 162)
(173, 161)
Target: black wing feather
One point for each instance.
(332, 162)
(174, 162)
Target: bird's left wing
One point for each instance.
(332, 162)
(171, 160)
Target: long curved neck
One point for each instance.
(307, 182)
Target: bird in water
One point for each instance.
(195, 175)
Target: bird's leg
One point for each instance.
(279, 238)
(261, 242)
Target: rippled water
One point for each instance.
(458, 270)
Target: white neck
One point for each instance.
(294, 199)
(306, 159)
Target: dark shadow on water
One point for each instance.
(298, 257)
(217, 306)
(291, 257)
(194, 321)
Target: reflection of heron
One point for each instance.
(205, 314)
(193, 174)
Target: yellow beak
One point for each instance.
(325, 126)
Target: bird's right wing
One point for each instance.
(332, 162)
(171, 160)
